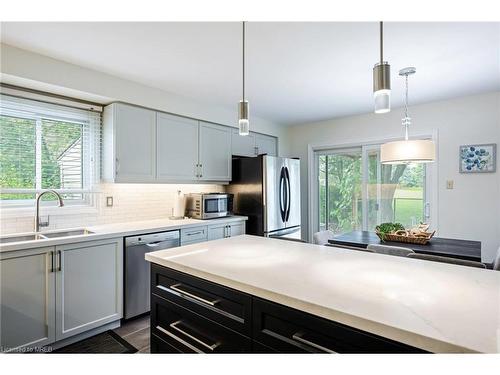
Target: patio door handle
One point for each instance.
(427, 210)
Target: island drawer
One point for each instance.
(189, 332)
(223, 305)
(287, 330)
(157, 345)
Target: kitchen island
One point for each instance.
(248, 289)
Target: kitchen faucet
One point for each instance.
(37, 214)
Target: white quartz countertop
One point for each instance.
(130, 228)
(434, 306)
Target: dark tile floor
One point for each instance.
(136, 333)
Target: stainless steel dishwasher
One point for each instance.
(137, 269)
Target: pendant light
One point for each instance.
(243, 123)
(407, 151)
(382, 80)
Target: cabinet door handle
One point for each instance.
(229, 229)
(256, 150)
(194, 296)
(117, 166)
(59, 254)
(178, 339)
(52, 260)
(201, 342)
(298, 337)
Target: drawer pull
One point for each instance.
(208, 346)
(178, 339)
(194, 233)
(194, 296)
(298, 337)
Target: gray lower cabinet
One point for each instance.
(224, 230)
(88, 286)
(27, 291)
(52, 293)
(194, 235)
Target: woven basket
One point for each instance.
(405, 239)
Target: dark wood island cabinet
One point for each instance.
(192, 315)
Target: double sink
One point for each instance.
(43, 236)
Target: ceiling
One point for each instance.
(296, 72)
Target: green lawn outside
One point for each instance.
(405, 209)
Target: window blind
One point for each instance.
(47, 146)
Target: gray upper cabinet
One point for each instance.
(265, 144)
(177, 145)
(215, 152)
(129, 147)
(89, 281)
(243, 145)
(253, 144)
(28, 299)
(144, 146)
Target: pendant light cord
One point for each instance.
(243, 60)
(381, 42)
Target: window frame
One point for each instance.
(91, 156)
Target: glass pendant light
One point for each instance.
(407, 151)
(243, 123)
(382, 80)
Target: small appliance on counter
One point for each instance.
(208, 205)
(179, 206)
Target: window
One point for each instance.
(47, 146)
(356, 192)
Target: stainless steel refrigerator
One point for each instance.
(267, 190)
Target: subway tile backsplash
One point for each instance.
(131, 202)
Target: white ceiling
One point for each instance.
(296, 72)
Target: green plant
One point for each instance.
(387, 228)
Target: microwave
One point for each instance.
(208, 205)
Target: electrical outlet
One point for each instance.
(109, 201)
(449, 184)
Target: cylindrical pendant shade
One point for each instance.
(243, 123)
(411, 151)
(382, 87)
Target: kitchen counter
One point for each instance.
(433, 306)
(115, 230)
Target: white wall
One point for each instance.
(472, 209)
(25, 68)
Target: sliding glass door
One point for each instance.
(339, 190)
(356, 192)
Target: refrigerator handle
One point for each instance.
(289, 194)
(282, 178)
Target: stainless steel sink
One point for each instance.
(44, 236)
(27, 237)
(74, 232)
